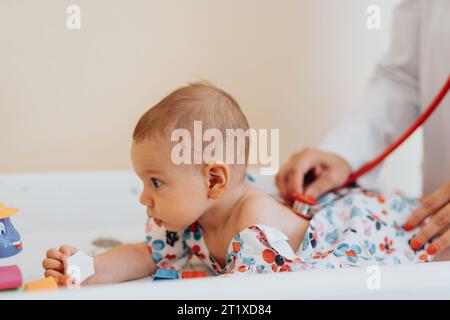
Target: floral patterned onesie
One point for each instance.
(351, 227)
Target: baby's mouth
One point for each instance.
(156, 220)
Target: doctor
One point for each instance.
(407, 79)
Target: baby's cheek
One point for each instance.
(191, 212)
(179, 208)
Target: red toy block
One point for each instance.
(193, 274)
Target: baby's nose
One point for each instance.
(147, 201)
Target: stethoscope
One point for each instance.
(303, 204)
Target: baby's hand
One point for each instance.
(54, 263)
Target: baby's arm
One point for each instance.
(123, 263)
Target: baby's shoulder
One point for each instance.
(260, 208)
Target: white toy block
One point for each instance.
(79, 266)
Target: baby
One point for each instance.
(209, 210)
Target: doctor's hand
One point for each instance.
(437, 207)
(330, 171)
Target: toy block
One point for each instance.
(193, 274)
(163, 274)
(16, 290)
(47, 284)
(10, 277)
(79, 266)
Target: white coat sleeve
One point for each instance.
(391, 102)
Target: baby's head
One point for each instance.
(179, 194)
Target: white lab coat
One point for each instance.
(405, 82)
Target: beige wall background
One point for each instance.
(70, 99)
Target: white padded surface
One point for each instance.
(77, 208)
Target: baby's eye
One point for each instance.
(156, 183)
(2, 229)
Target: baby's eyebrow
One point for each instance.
(152, 171)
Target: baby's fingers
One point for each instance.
(60, 278)
(67, 251)
(53, 264)
(55, 254)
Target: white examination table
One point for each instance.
(79, 208)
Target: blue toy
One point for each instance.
(163, 274)
(10, 242)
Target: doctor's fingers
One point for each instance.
(439, 223)
(293, 177)
(440, 244)
(290, 177)
(428, 206)
(301, 163)
(324, 183)
(296, 178)
(285, 182)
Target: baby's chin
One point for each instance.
(168, 226)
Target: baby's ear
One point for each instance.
(217, 177)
